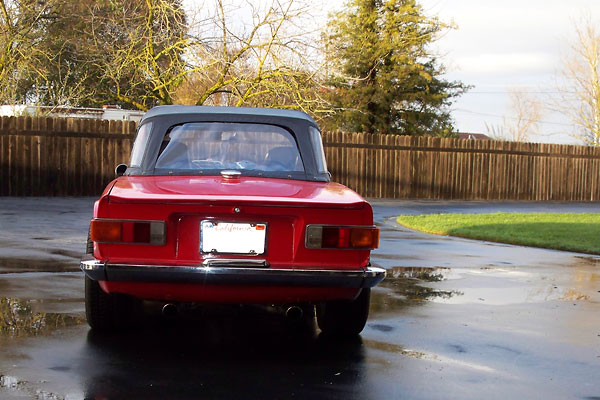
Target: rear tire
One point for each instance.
(106, 312)
(89, 248)
(344, 318)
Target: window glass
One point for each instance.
(237, 146)
(139, 147)
(317, 142)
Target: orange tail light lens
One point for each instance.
(127, 231)
(364, 238)
(342, 237)
(105, 230)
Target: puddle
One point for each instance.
(9, 382)
(593, 260)
(507, 285)
(404, 286)
(61, 252)
(412, 292)
(382, 327)
(401, 350)
(21, 388)
(18, 318)
(393, 348)
(387, 256)
(18, 265)
(428, 274)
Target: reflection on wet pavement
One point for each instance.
(14, 385)
(501, 285)
(393, 348)
(428, 274)
(471, 272)
(248, 355)
(293, 366)
(20, 265)
(493, 285)
(405, 286)
(18, 318)
(390, 348)
(8, 382)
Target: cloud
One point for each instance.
(505, 63)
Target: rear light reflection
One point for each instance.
(342, 237)
(127, 231)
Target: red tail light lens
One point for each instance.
(127, 231)
(341, 237)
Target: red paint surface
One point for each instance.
(285, 206)
(228, 294)
(257, 190)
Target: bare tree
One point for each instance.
(21, 22)
(579, 85)
(266, 61)
(150, 52)
(525, 112)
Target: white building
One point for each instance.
(106, 112)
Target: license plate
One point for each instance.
(232, 237)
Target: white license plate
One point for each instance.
(232, 237)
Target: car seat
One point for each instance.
(283, 158)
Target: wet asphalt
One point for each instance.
(455, 318)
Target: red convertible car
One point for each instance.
(230, 205)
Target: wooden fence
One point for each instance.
(73, 157)
(392, 166)
(60, 156)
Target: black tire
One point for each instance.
(344, 318)
(89, 248)
(106, 312)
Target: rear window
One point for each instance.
(317, 141)
(140, 144)
(219, 146)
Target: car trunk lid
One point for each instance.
(250, 190)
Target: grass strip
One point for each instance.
(579, 232)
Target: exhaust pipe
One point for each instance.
(294, 313)
(169, 310)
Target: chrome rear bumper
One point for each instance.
(220, 275)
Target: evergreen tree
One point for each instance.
(386, 78)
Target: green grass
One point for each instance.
(571, 232)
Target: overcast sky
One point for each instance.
(500, 45)
(508, 44)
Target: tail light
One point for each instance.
(127, 231)
(342, 237)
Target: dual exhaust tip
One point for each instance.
(170, 310)
(293, 313)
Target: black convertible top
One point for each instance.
(298, 123)
(214, 110)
